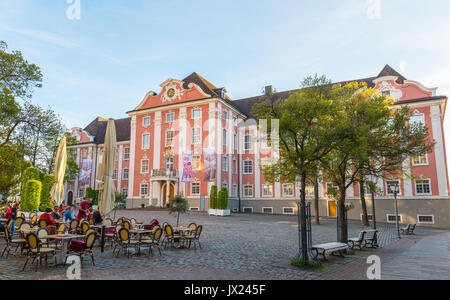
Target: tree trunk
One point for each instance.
(343, 236)
(302, 212)
(365, 217)
(316, 200)
(178, 219)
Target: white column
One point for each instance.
(219, 147)
(91, 157)
(151, 193)
(157, 141)
(167, 192)
(182, 142)
(436, 125)
(132, 157)
(256, 168)
(407, 184)
(119, 169)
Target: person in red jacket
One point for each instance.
(47, 217)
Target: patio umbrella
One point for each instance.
(57, 192)
(108, 189)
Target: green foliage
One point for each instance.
(94, 194)
(47, 184)
(308, 265)
(179, 206)
(30, 173)
(72, 168)
(213, 197)
(31, 201)
(12, 165)
(222, 200)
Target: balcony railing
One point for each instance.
(164, 173)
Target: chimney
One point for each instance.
(269, 89)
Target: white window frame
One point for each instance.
(173, 117)
(126, 154)
(194, 164)
(426, 163)
(251, 189)
(192, 188)
(225, 115)
(417, 115)
(293, 190)
(235, 190)
(225, 162)
(173, 137)
(127, 172)
(393, 215)
(235, 141)
(141, 187)
(271, 190)
(145, 119)
(142, 165)
(80, 193)
(193, 117)
(125, 193)
(247, 207)
(114, 176)
(285, 213)
(225, 137)
(269, 213)
(243, 167)
(387, 187)
(248, 146)
(429, 184)
(145, 147)
(429, 223)
(194, 141)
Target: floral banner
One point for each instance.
(85, 173)
(188, 172)
(210, 165)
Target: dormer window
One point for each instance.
(386, 93)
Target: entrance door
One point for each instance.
(171, 195)
(332, 208)
(70, 198)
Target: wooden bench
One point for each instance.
(331, 248)
(408, 229)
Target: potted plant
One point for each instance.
(179, 206)
(213, 201)
(222, 203)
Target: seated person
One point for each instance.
(47, 217)
(97, 217)
(68, 214)
(55, 214)
(90, 210)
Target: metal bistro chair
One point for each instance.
(154, 241)
(36, 251)
(19, 221)
(42, 235)
(85, 227)
(108, 222)
(170, 237)
(42, 223)
(114, 236)
(73, 227)
(10, 243)
(86, 249)
(196, 237)
(125, 242)
(33, 219)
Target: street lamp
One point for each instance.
(371, 177)
(395, 189)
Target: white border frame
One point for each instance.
(393, 215)
(262, 190)
(140, 167)
(415, 187)
(429, 223)
(140, 189)
(271, 213)
(291, 214)
(247, 207)
(243, 191)
(293, 190)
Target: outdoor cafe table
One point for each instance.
(65, 239)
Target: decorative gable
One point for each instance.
(172, 91)
(82, 136)
(408, 90)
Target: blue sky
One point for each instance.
(104, 63)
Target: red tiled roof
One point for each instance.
(97, 128)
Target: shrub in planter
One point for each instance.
(47, 184)
(213, 197)
(32, 197)
(29, 174)
(222, 201)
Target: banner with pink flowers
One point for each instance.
(188, 172)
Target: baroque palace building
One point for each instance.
(194, 117)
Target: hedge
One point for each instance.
(32, 197)
(222, 201)
(46, 198)
(29, 174)
(213, 197)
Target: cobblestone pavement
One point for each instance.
(238, 247)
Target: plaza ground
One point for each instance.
(246, 246)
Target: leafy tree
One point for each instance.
(179, 206)
(213, 197)
(32, 197)
(47, 184)
(11, 167)
(306, 121)
(368, 133)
